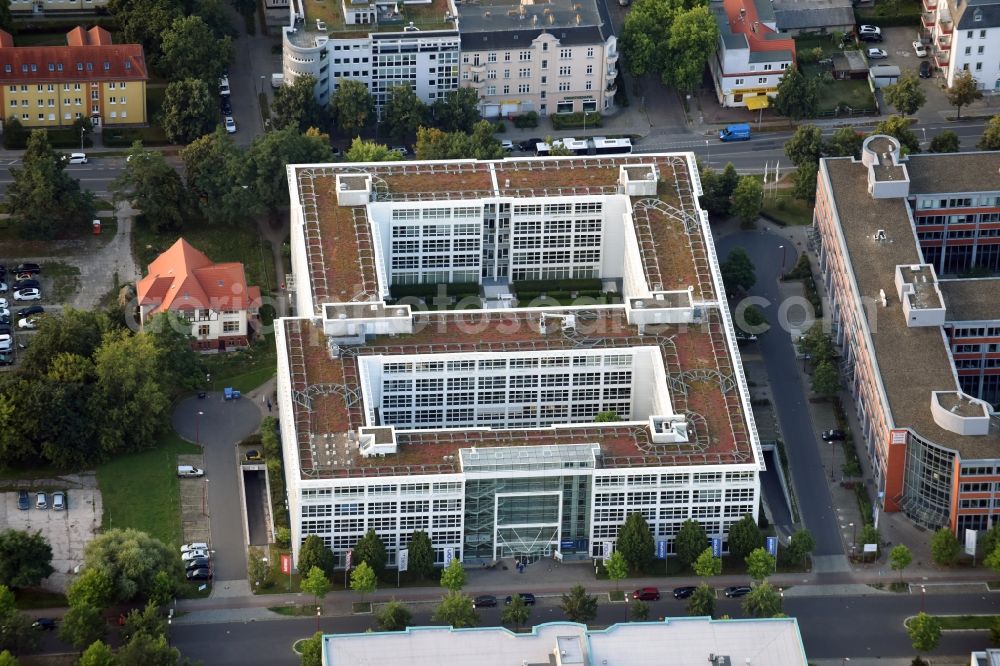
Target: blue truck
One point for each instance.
(740, 132)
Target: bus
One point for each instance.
(606, 146)
(574, 146)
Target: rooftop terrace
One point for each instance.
(428, 15)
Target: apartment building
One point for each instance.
(381, 44)
(25, 8)
(477, 424)
(917, 351)
(752, 55)
(90, 77)
(214, 298)
(554, 57)
(965, 36)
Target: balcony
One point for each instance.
(612, 72)
(944, 42)
(611, 58)
(930, 5)
(611, 90)
(945, 27)
(477, 68)
(927, 20)
(941, 59)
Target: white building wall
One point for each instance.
(303, 297)
(978, 50)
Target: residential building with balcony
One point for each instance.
(90, 77)
(918, 351)
(554, 57)
(381, 44)
(477, 423)
(752, 55)
(965, 36)
(213, 298)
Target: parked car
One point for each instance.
(6, 342)
(870, 37)
(77, 158)
(28, 294)
(198, 563)
(198, 545)
(3, 287)
(877, 54)
(527, 597)
(20, 277)
(224, 85)
(227, 106)
(28, 267)
(507, 145)
(5, 329)
(866, 29)
(59, 501)
(253, 454)
(41, 501)
(684, 592)
(25, 312)
(400, 150)
(336, 152)
(189, 472)
(26, 282)
(925, 69)
(199, 574)
(484, 601)
(230, 125)
(23, 501)
(737, 591)
(529, 145)
(6, 359)
(44, 624)
(647, 594)
(4, 304)
(833, 435)
(919, 48)
(28, 323)
(3, 270)
(192, 554)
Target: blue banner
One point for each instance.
(661, 549)
(772, 546)
(716, 547)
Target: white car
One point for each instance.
(6, 342)
(28, 323)
(77, 158)
(230, 125)
(191, 554)
(193, 546)
(869, 30)
(877, 54)
(3, 287)
(919, 49)
(4, 305)
(224, 85)
(507, 145)
(28, 294)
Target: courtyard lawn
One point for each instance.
(786, 210)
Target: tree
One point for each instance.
(995, 632)
(804, 185)
(144, 22)
(130, 559)
(753, 320)
(421, 553)
(311, 650)
(845, 142)
(191, 50)
(747, 199)
(738, 273)
(718, 189)
(369, 151)
(352, 106)
(617, 567)
(900, 558)
(694, 38)
(899, 128)
(453, 576)
(639, 610)
(989, 540)
(826, 380)
(635, 542)
(433, 144)
(257, 569)
(317, 584)
(607, 417)
(92, 587)
(963, 91)
(216, 16)
(578, 606)
(801, 545)
(154, 187)
(6, 19)
(188, 110)
(7, 659)
(760, 564)
(394, 616)
(82, 625)
(98, 654)
(990, 140)
(370, 549)
(403, 112)
(906, 94)
(945, 142)
(456, 610)
(945, 547)
(702, 601)
(295, 105)
(805, 146)
(797, 95)
(25, 558)
(146, 650)
(147, 620)
(816, 344)
(707, 564)
(179, 366)
(924, 631)
(762, 601)
(214, 172)
(457, 111)
(265, 173)
(869, 534)
(690, 542)
(16, 632)
(516, 612)
(42, 199)
(363, 579)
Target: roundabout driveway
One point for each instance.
(218, 425)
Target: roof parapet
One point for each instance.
(917, 289)
(887, 177)
(959, 413)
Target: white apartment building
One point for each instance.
(478, 425)
(965, 36)
(752, 55)
(556, 57)
(381, 44)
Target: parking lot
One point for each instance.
(898, 45)
(69, 531)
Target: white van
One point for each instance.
(78, 158)
(189, 472)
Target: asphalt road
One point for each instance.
(96, 176)
(832, 627)
(811, 490)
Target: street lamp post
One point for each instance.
(833, 462)
(923, 592)
(782, 248)
(83, 130)
(318, 613)
(197, 429)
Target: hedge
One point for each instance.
(425, 291)
(562, 121)
(58, 138)
(526, 121)
(589, 284)
(124, 138)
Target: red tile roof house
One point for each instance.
(222, 308)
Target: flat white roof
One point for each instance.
(677, 641)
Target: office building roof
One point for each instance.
(971, 299)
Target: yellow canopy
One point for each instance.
(758, 102)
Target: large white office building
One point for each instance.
(477, 422)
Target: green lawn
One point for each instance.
(787, 210)
(65, 280)
(245, 369)
(31, 598)
(853, 93)
(57, 38)
(141, 490)
(958, 622)
(810, 42)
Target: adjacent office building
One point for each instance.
(477, 422)
(919, 340)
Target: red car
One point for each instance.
(647, 594)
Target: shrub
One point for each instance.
(526, 121)
(562, 121)
(429, 291)
(500, 127)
